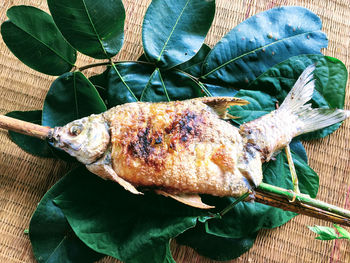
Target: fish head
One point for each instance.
(87, 139)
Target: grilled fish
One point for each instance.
(185, 148)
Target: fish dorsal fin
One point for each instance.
(221, 104)
(193, 200)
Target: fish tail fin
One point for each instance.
(275, 130)
(309, 119)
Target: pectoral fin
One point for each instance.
(105, 171)
(187, 199)
(221, 104)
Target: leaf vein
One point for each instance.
(172, 31)
(252, 51)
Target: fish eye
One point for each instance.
(75, 130)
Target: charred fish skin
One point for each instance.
(180, 147)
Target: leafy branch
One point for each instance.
(328, 233)
(176, 65)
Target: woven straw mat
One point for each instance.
(24, 179)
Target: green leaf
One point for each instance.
(325, 233)
(70, 97)
(124, 224)
(174, 31)
(180, 86)
(298, 148)
(100, 82)
(342, 231)
(155, 89)
(52, 239)
(94, 27)
(247, 218)
(259, 104)
(33, 38)
(262, 41)
(156, 83)
(217, 91)
(331, 77)
(27, 143)
(135, 75)
(214, 247)
(194, 65)
(157, 254)
(143, 58)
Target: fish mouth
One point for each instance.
(55, 139)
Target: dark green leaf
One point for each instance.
(70, 97)
(53, 240)
(325, 233)
(124, 224)
(174, 31)
(100, 82)
(143, 58)
(331, 77)
(217, 91)
(262, 41)
(298, 148)
(135, 75)
(259, 104)
(246, 218)
(138, 76)
(194, 65)
(214, 247)
(180, 86)
(95, 28)
(33, 37)
(155, 89)
(157, 254)
(29, 144)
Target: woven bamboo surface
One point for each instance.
(24, 179)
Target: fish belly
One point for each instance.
(180, 147)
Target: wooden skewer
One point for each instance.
(24, 127)
(267, 194)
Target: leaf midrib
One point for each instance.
(105, 52)
(75, 96)
(94, 28)
(172, 31)
(43, 43)
(56, 248)
(253, 51)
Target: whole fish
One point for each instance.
(185, 148)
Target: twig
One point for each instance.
(108, 63)
(24, 127)
(293, 173)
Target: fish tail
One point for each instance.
(309, 119)
(275, 130)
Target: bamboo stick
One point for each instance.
(24, 127)
(300, 203)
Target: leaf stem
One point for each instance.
(122, 79)
(229, 207)
(292, 170)
(107, 63)
(301, 203)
